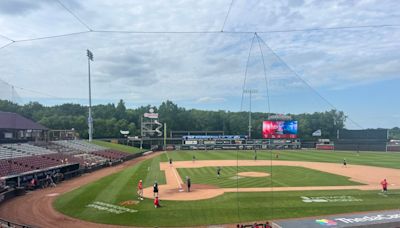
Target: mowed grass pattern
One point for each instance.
(380, 159)
(228, 208)
(283, 176)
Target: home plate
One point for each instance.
(53, 194)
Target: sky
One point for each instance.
(300, 56)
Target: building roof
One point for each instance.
(9, 120)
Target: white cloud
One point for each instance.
(210, 100)
(154, 67)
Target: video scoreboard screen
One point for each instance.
(279, 129)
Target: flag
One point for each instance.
(317, 133)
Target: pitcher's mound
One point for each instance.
(253, 174)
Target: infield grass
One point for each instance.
(283, 176)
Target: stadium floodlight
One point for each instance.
(90, 119)
(250, 92)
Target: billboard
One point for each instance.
(279, 129)
(368, 134)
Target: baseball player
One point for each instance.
(188, 183)
(156, 202)
(218, 171)
(384, 184)
(155, 189)
(140, 190)
(344, 163)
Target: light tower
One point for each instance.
(90, 119)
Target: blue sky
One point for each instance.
(355, 69)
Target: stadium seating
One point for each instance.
(20, 158)
(111, 154)
(91, 159)
(77, 148)
(31, 163)
(8, 151)
(79, 145)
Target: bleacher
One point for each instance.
(80, 149)
(91, 152)
(25, 164)
(91, 159)
(57, 148)
(24, 157)
(111, 154)
(8, 151)
(79, 145)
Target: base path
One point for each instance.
(371, 176)
(36, 208)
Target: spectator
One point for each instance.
(32, 184)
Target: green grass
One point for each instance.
(120, 147)
(380, 159)
(283, 176)
(229, 207)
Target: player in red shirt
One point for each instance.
(384, 184)
(140, 190)
(156, 202)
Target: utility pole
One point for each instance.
(90, 119)
(165, 136)
(250, 92)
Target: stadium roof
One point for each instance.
(9, 120)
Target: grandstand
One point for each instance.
(26, 153)
(79, 145)
(8, 151)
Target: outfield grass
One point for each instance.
(380, 159)
(227, 208)
(120, 147)
(283, 176)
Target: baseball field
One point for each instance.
(275, 185)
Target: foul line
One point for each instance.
(177, 178)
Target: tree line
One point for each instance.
(110, 118)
